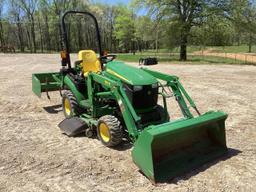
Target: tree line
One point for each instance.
(34, 25)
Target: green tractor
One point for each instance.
(117, 102)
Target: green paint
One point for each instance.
(129, 74)
(45, 82)
(68, 82)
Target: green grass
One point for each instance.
(165, 55)
(129, 57)
(166, 58)
(191, 49)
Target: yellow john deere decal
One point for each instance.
(117, 75)
(107, 83)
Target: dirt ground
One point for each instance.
(35, 156)
(249, 58)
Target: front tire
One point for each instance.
(69, 104)
(109, 131)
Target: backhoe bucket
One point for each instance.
(165, 151)
(45, 82)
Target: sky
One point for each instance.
(112, 2)
(126, 2)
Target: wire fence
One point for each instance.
(239, 58)
(207, 55)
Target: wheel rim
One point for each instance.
(67, 107)
(104, 132)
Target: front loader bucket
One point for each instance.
(45, 82)
(165, 151)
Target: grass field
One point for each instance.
(194, 55)
(192, 49)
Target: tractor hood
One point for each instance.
(129, 74)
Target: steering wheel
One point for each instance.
(107, 58)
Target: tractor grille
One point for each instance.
(145, 98)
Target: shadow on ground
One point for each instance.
(126, 144)
(54, 109)
(123, 146)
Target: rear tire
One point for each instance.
(109, 131)
(69, 104)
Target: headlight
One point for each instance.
(137, 88)
(155, 85)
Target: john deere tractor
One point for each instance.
(117, 102)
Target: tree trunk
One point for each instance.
(157, 37)
(133, 48)
(29, 39)
(47, 34)
(1, 34)
(238, 39)
(41, 36)
(183, 47)
(250, 43)
(56, 40)
(59, 39)
(20, 35)
(79, 36)
(111, 36)
(33, 35)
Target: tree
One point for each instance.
(145, 32)
(169, 24)
(1, 25)
(183, 13)
(44, 8)
(125, 30)
(106, 15)
(172, 35)
(59, 6)
(15, 15)
(29, 7)
(216, 31)
(243, 15)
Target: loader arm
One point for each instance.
(178, 90)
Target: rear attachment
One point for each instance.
(165, 151)
(45, 82)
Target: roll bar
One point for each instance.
(65, 36)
